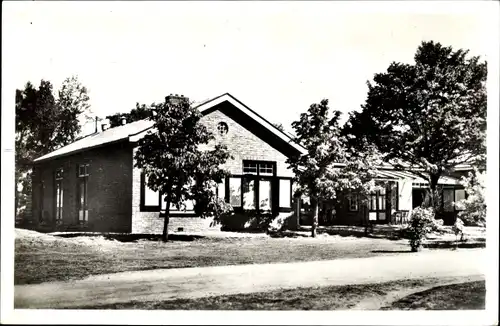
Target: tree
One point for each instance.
(43, 124)
(74, 110)
(328, 167)
(181, 161)
(279, 126)
(426, 117)
(140, 112)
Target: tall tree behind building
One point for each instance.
(428, 116)
(43, 124)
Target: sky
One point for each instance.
(277, 58)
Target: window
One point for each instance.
(266, 169)
(83, 210)
(257, 189)
(250, 168)
(222, 128)
(259, 168)
(59, 195)
(353, 203)
(83, 170)
(448, 195)
(235, 191)
(221, 190)
(459, 196)
(285, 193)
(265, 195)
(394, 197)
(248, 194)
(151, 198)
(378, 201)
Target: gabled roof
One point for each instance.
(136, 130)
(100, 138)
(206, 106)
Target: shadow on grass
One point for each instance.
(453, 244)
(462, 296)
(392, 251)
(134, 237)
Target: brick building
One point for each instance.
(92, 185)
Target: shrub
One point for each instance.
(458, 228)
(421, 223)
(474, 207)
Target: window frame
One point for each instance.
(258, 163)
(58, 195)
(222, 128)
(455, 198)
(157, 208)
(143, 207)
(387, 199)
(284, 209)
(82, 178)
(351, 201)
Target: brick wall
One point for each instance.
(245, 145)
(242, 144)
(109, 190)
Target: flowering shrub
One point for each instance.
(421, 223)
(438, 226)
(474, 207)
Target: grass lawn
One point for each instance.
(42, 258)
(468, 296)
(329, 298)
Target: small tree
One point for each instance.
(318, 134)
(328, 167)
(172, 158)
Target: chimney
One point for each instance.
(124, 121)
(176, 99)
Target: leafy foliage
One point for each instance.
(140, 112)
(44, 123)
(421, 223)
(328, 167)
(74, 110)
(181, 160)
(430, 115)
(474, 206)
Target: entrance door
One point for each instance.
(377, 207)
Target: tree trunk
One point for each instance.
(164, 236)
(315, 210)
(433, 185)
(366, 220)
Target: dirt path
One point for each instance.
(197, 282)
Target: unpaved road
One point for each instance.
(197, 282)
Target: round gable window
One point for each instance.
(222, 128)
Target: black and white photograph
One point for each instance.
(250, 162)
